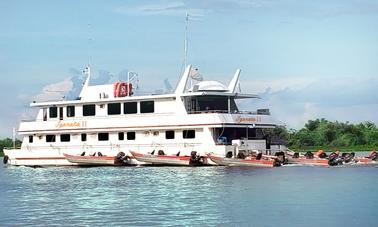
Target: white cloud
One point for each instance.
(55, 91)
(294, 102)
(194, 7)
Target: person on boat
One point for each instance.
(321, 154)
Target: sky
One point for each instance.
(306, 59)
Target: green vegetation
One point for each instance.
(327, 135)
(7, 143)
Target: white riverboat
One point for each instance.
(200, 116)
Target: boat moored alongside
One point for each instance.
(172, 160)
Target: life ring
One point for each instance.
(6, 159)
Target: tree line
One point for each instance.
(8, 143)
(329, 135)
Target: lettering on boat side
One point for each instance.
(62, 124)
(241, 119)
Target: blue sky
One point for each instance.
(307, 59)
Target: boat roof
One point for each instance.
(187, 86)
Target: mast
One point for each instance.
(186, 39)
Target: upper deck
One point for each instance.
(193, 104)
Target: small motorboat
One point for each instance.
(176, 160)
(320, 158)
(97, 159)
(262, 161)
(372, 159)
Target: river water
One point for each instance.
(189, 196)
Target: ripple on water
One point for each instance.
(298, 196)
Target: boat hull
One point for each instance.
(91, 160)
(162, 159)
(241, 162)
(310, 162)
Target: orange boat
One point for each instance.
(174, 160)
(99, 159)
(248, 161)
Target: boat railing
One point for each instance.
(229, 112)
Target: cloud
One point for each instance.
(55, 91)
(295, 102)
(197, 8)
(292, 8)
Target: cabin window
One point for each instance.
(103, 136)
(31, 139)
(83, 137)
(114, 108)
(130, 108)
(70, 111)
(169, 135)
(147, 107)
(53, 112)
(65, 138)
(188, 134)
(130, 135)
(121, 136)
(89, 110)
(50, 138)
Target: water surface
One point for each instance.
(221, 196)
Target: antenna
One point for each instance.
(186, 39)
(89, 43)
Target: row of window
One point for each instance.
(104, 136)
(113, 109)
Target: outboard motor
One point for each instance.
(6, 159)
(373, 156)
(121, 159)
(309, 155)
(241, 155)
(281, 157)
(195, 160)
(347, 157)
(323, 155)
(259, 156)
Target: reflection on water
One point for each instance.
(287, 196)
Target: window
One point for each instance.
(147, 107)
(84, 137)
(169, 135)
(130, 135)
(70, 111)
(50, 138)
(130, 108)
(53, 112)
(89, 110)
(65, 138)
(121, 136)
(114, 108)
(103, 136)
(30, 139)
(156, 133)
(188, 134)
